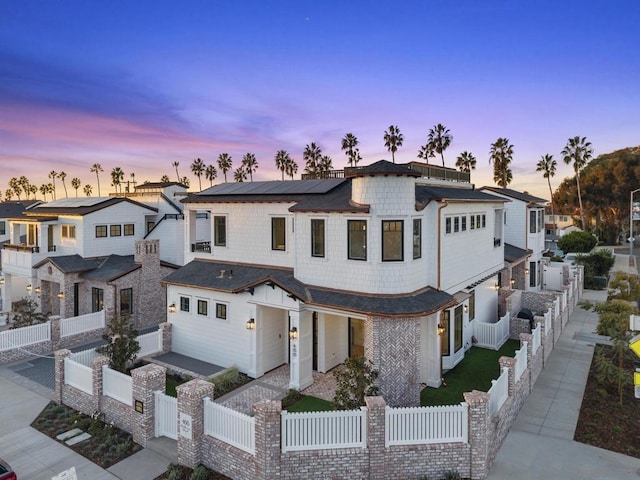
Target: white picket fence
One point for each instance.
(150, 343)
(78, 375)
(85, 357)
(537, 338)
(422, 425)
(166, 415)
(492, 335)
(324, 430)
(82, 323)
(117, 385)
(498, 392)
(22, 337)
(521, 361)
(230, 426)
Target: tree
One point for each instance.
(325, 165)
(34, 190)
(26, 186)
(578, 151)
(8, 194)
(43, 191)
(312, 155)
(249, 164)
(426, 152)
(349, 145)
(26, 313)
(210, 173)
(117, 177)
(198, 169)
(354, 382)
(501, 154)
(95, 168)
(466, 162)
(176, 165)
(53, 175)
(240, 175)
(165, 179)
(439, 138)
(224, 164)
(392, 140)
(62, 176)
(88, 190)
(122, 344)
(185, 181)
(578, 242)
(282, 159)
(547, 165)
(76, 183)
(291, 168)
(624, 286)
(14, 185)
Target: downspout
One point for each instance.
(444, 204)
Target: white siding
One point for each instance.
(333, 341)
(487, 301)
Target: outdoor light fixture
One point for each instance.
(526, 271)
(513, 282)
(60, 294)
(497, 287)
(466, 308)
(293, 333)
(1, 280)
(172, 308)
(441, 329)
(38, 290)
(28, 288)
(251, 324)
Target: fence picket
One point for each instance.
(425, 425)
(323, 430)
(22, 337)
(82, 323)
(232, 427)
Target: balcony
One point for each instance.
(22, 248)
(424, 169)
(201, 247)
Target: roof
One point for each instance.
(426, 193)
(158, 185)
(337, 200)
(238, 278)
(81, 206)
(383, 167)
(513, 253)
(71, 263)
(507, 192)
(9, 209)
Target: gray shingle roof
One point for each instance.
(13, 209)
(73, 206)
(383, 167)
(525, 197)
(337, 200)
(425, 193)
(72, 263)
(513, 253)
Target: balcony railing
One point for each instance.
(201, 247)
(52, 248)
(424, 169)
(22, 248)
(497, 242)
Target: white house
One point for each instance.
(309, 272)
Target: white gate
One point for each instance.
(552, 277)
(166, 415)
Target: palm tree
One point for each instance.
(51, 190)
(349, 145)
(547, 165)
(198, 168)
(282, 159)
(26, 187)
(249, 164)
(392, 140)
(440, 138)
(53, 175)
(75, 183)
(14, 185)
(117, 176)
(88, 189)
(165, 179)
(291, 168)
(312, 155)
(501, 154)
(133, 179)
(34, 190)
(96, 168)
(325, 165)
(210, 173)
(466, 162)
(426, 152)
(44, 191)
(224, 164)
(578, 151)
(62, 176)
(185, 181)
(8, 194)
(239, 175)
(176, 165)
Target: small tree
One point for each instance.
(625, 286)
(579, 242)
(354, 381)
(25, 313)
(122, 346)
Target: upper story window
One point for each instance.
(68, 231)
(97, 299)
(203, 307)
(447, 225)
(497, 228)
(417, 238)
(115, 230)
(3, 227)
(540, 220)
(150, 225)
(129, 229)
(456, 224)
(392, 241)
(221, 311)
(101, 231)
(220, 231)
(184, 304)
(278, 233)
(463, 223)
(536, 221)
(126, 301)
(317, 237)
(357, 239)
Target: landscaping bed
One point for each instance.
(179, 472)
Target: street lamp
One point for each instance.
(631, 220)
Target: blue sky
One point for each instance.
(140, 85)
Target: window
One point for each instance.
(101, 231)
(497, 228)
(457, 328)
(483, 217)
(278, 241)
(444, 338)
(32, 234)
(447, 225)
(221, 311)
(472, 305)
(203, 307)
(392, 241)
(317, 237)
(472, 219)
(97, 299)
(68, 231)
(129, 229)
(532, 274)
(357, 239)
(126, 301)
(3, 227)
(456, 224)
(478, 221)
(115, 230)
(220, 231)
(463, 223)
(532, 221)
(417, 238)
(184, 304)
(150, 226)
(540, 220)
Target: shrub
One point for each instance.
(25, 313)
(625, 286)
(122, 345)
(200, 473)
(354, 381)
(579, 242)
(452, 475)
(291, 397)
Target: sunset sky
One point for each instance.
(142, 84)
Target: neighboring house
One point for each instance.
(524, 228)
(556, 227)
(382, 263)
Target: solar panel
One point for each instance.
(75, 202)
(289, 187)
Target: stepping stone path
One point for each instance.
(80, 438)
(73, 436)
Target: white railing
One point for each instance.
(521, 361)
(21, 337)
(85, 357)
(564, 300)
(421, 425)
(82, 323)
(150, 343)
(324, 430)
(492, 335)
(547, 322)
(117, 385)
(78, 375)
(498, 392)
(537, 338)
(230, 426)
(556, 308)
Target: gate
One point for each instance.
(166, 415)
(552, 277)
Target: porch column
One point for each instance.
(301, 348)
(252, 334)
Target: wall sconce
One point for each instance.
(496, 286)
(37, 290)
(172, 308)
(251, 324)
(513, 282)
(441, 329)
(293, 333)
(466, 308)
(526, 271)
(1, 280)
(60, 294)
(28, 288)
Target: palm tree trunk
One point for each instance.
(553, 215)
(442, 155)
(580, 199)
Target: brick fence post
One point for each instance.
(191, 397)
(96, 365)
(165, 329)
(268, 434)
(376, 409)
(526, 337)
(478, 433)
(510, 363)
(55, 331)
(145, 381)
(60, 355)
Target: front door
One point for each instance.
(315, 340)
(356, 337)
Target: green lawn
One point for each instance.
(310, 404)
(475, 372)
